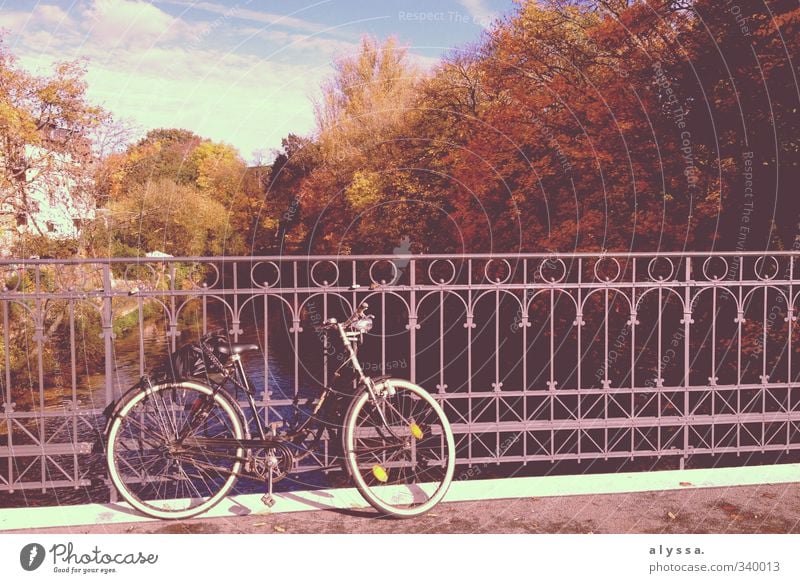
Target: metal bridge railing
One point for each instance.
(534, 357)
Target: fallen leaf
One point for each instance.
(685, 484)
(279, 528)
(671, 515)
(260, 524)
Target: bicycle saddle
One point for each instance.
(236, 348)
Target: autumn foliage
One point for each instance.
(643, 125)
(658, 125)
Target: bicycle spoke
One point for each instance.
(159, 439)
(393, 441)
(152, 471)
(161, 415)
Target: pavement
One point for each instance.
(762, 509)
(673, 502)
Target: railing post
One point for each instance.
(108, 348)
(39, 338)
(687, 321)
(412, 322)
(8, 404)
(108, 333)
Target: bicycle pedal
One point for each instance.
(268, 500)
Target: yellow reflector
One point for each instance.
(379, 473)
(416, 431)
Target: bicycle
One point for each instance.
(176, 448)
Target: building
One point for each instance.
(59, 199)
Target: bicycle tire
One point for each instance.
(405, 472)
(148, 467)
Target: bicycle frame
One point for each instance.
(264, 440)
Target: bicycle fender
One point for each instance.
(110, 413)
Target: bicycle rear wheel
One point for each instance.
(149, 464)
(404, 469)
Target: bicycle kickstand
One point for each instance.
(268, 499)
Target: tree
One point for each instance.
(161, 154)
(575, 150)
(278, 224)
(360, 118)
(364, 101)
(746, 118)
(572, 125)
(220, 169)
(45, 130)
(182, 163)
(166, 216)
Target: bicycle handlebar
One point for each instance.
(359, 314)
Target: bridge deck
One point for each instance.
(755, 487)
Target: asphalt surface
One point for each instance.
(759, 509)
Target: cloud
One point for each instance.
(50, 14)
(47, 28)
(131, 23)
(96, 27)
(288, 42)
(13, 22)
(236, 11)
(481, 15)
(426, 63)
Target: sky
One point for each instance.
(243, 72)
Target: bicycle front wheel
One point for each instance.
(150, 459)
(402, 466)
